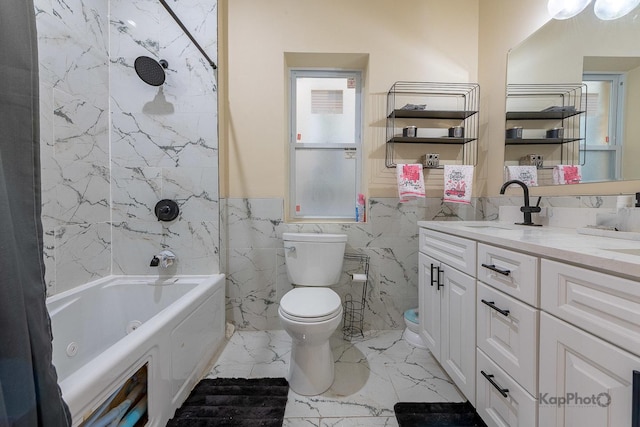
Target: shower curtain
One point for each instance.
(29, 393)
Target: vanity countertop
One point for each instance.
(617, 256)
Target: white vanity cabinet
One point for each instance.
(588, 353)
(557, 322)
(507, 337)
(447, 305)
(595, 378)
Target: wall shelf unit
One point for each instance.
(537, 109)
(431, 109)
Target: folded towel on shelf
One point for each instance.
(567, 174)
(526, 174)
(458, 182)
(416, 107)
(560, 108)
(410, 181)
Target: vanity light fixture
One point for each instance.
(565, 9)
(604, 9)
(613, 9)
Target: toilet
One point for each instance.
(311, 312)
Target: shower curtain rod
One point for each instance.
(179, 22)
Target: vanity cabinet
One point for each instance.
(589, 342)
(507, 336)
(557, 343)
(595, 378)
(447, 305)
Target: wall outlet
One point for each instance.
(431, 160)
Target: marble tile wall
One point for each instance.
(113, 146)
(256, 273)
(257, 276)
(73, 45)
(164, 139)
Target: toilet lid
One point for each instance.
(310, 303)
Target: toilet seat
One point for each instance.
(310, 305)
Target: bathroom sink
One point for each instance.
(634, 251)
(624, 235)
(483, 226)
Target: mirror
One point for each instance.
(605, 57)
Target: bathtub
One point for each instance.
(106, 330)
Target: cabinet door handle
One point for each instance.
(440, 282)
(492, 267)
(434, 277)
(491, 304)
(503, 391)
(635, 400)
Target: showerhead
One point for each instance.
(150, 71)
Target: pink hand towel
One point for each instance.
(410, 181)
(458, 182)
(567, 174)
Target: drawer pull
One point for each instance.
(440, 282)
(635, 400)
(491, 304)
(492, 267)
(503, 391)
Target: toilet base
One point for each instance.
(311, 369)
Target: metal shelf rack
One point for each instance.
(548, 105)
(433, 108)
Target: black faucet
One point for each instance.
(526, 209)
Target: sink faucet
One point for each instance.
(164, 259)
(526, 209)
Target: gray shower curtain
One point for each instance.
(29, 393)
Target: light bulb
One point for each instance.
(614, 9)
(565, 9)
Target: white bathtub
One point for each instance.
(106, 330)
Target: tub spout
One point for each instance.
(164, 259)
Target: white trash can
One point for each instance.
(411, 335)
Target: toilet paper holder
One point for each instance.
(353, 308)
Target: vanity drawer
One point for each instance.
(518, 408)
(606, 306)
(507, 331)
(455, 251)
(511, 272)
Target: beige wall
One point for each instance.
(414, 40)
(631, 152)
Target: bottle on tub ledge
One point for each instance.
(361, 215)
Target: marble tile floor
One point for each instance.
(371, 375)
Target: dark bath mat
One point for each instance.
(237, 402)
(411, 414)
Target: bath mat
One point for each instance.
(237, 402)
(411, 414)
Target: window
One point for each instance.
(604, 128)
(325, 144)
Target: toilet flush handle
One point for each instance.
(291, 249)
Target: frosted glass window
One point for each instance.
(604, 130)
(325, 145)
(601, 166)
(598, 112)
(326, 110)
(325, 183)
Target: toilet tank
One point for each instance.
(314, 259)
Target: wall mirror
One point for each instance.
(603, 57)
